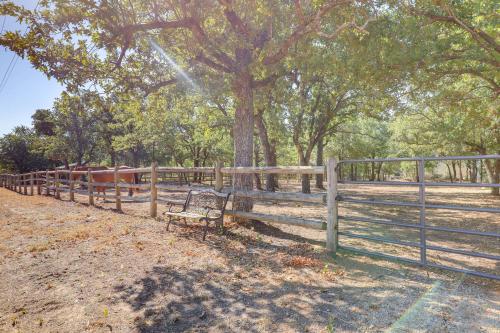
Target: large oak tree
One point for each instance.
(245, 42)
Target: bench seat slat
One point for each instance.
(185, 214)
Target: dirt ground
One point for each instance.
(67, 267)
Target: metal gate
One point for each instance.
(423, 207)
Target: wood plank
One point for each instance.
(180, 188)
(172, 201)
(186, 170)
(319, 198)
(313, 170)
(280, 219)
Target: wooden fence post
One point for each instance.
(56, 177)
(90, 187)
(25, 185)
(219, 179)
(154, 193)
(71, 186)
(47, 183)
(38, 183)
(32, 184)
(332, 226)
(118, 199)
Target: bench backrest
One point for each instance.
(200, 201)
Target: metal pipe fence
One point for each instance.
(423, 206)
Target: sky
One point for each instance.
(26, 89)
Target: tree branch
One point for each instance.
(210, 63)
(236, 23)
(477, 34)
(151, 89)
(310, 25)
(345, 26)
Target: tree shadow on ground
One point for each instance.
(170, 299)
(273, 231)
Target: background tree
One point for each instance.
(18, 151)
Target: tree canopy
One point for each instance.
(259, 82)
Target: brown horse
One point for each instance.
(129, 178)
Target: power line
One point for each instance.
(13, 61)
(3, 24)
(8, 72)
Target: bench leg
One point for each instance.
(169, 221)
(221, 226)
(206, 228)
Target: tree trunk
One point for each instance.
(372, 171)
(135, 158)
(256, 148)
(112, 155)
(481, 171)
(306, 182)
(460, 173)
(473, 172)
(243, 135)
(454, 167)
(269, 151)
(319, 162)
(493, 172)
(378, 170)
(449, 172)
(196, 164)
(416, 171)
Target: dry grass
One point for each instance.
(71, 268)
(300, 262)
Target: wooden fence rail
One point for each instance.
(58, 181)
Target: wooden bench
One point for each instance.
(202, 205)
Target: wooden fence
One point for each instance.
(58, 181)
